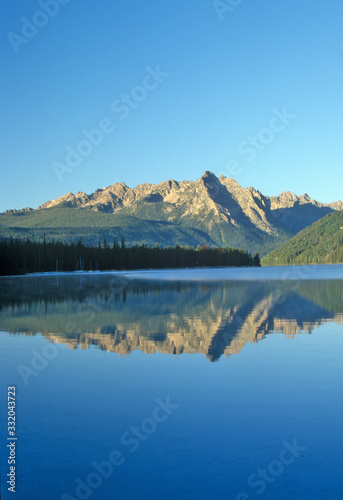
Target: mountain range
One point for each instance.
(211, 319)
(213, 211)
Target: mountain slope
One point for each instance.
(322, 242)
(208, 211)
(212, 320)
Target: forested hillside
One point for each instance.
(320, 243)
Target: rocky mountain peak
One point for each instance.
(209, 210)
(224, 199)
(208, 175)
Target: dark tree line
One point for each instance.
(20, 257)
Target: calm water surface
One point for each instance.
(154, 389)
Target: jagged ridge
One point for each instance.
(210, 210)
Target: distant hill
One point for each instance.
(321, 243)
(212, 211)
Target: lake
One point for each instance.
(175, 384)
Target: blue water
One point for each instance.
(226, 391)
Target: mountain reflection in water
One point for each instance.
(121, 316)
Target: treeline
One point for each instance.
(20, 257)
(320, 243)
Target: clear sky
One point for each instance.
(250, 89)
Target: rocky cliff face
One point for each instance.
(213, 320)
(216, 333)
(223, 198)
(217, 211)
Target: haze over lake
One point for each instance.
(137, 388)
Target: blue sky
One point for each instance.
(253, 91)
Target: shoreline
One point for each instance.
(263, 273)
